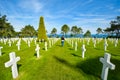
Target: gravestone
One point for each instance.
(45, 46)
(0, 51)
(105, 45)
(18, 45)
(76, 46)
(13, 63)
(9, 42)
(72, 44)
(88, 41)
(83, 50)
(35, 41)
(49, 43)
(116, 42)
(37, 50)
(106, 65)
(94, 43)
(28, 43)
(5, 41)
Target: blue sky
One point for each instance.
(87, 14)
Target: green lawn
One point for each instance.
(60, 63)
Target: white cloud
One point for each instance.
(32, 5)
(20, 16)
(118, 10)
(87, 2)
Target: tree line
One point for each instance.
(7, 30)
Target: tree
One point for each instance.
(74, 30)
(65, 29)
(99, 30)
(79, 30)
(28, 31)
(6, 29)
(114, 28)
(54, 30)
(41, 30)
(87, 34)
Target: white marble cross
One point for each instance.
(37, 50)
(9, 42)
(105, 45)
(116, 42)
(106, 65)
(49, 44)
(13, 63)
(76, 46)
(72, 44)
(46, 46)
(18, 44)
(28, 43)
(0, 51)
(94, 43)
(83, 50)
(88, 41)
(35, 41)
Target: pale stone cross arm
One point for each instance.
(106, 65)
(13, 63)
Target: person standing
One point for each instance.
(62, 40)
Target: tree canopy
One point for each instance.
(28, 31)
(6, 29)
(114, 28)
(87, 34)
(99, 30)
(54, 30)
(76, 30)
(65, 29)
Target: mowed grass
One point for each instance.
(60, 63)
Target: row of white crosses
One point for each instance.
(105, 61)
(76, 45)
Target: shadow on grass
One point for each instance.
(115, 54)
(2, 53)
(75, 55)
(115, 74)
(70, 48)
(59, 45)
(63, 61)
(18, 66)
(91, 66)
(97, 48)
(35, 54)
(94, 67)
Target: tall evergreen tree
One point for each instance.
(41, 30)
